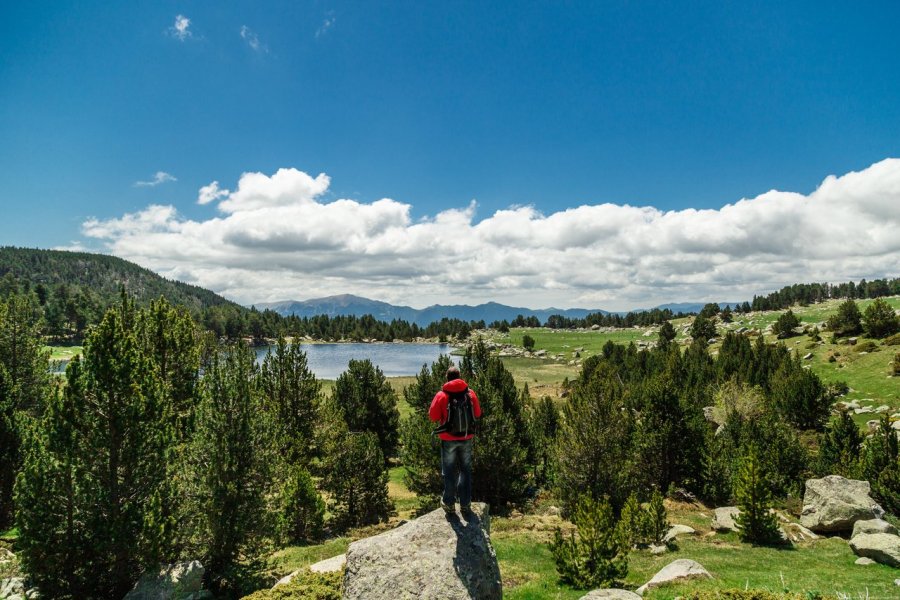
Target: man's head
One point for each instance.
(452, 373)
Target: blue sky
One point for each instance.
(540, 106)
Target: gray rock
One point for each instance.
(883, 409)
(661, 549)
(872, 425)
(835, 503)
(807, 356)
(610, 594)
(180, 581)
(401, 564)
(675, 531)
(724, 518)
(873, 526)
(880, 547)
(864, 561)
(679, 570)
(329, 565)
(12, 588)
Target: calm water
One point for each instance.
(328, 361)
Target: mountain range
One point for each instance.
(348, 304)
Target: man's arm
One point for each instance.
(438, 410)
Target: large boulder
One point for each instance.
(679, 570)
(435, 557)
(834, 504)
(180, 581)
(880, 547)
(873, 526)
(724, 518)
(610, 594)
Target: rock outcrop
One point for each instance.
(610, 594)
(434, 557)
(13, 588)
(724, 518)
(679, 570)
(834, 504)
(180, 581)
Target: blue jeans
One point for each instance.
(456, 468)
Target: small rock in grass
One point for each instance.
(864, 561)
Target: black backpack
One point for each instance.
(460, 414)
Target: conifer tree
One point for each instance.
(302, 511)
(881, 466)
(666, 333)
(54, 545)
(290, 393)
(598, 555)
(109, 442)
(657, 518)
(419, 447)
(367, 402)
(879, 319)
(503, 444)
(356, 477)
(24, 384)
(633, 523)
(840, 447)
(227, 474)
(594, 450)
(754, 499)
(544, 427)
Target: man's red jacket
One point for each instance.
(438, 410)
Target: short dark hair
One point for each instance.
(452, 373)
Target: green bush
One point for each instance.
(754, 498)
(598, 555)
(305, 586)
(866, 346)
(528, 342)
(892, 340)
(784, 326)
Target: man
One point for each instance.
(456, 447)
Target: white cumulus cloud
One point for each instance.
(158, 178)
(210, 193)
(181, 28)
(276, 237)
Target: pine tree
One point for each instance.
(419, 447)
(633, 523)
(355, 477)
(657, 518)
(302, 511)
(880, 466)
(784, 326)
(598, 555)
(227, 473)
(367, 402)
(502, 445)
(879, 319)
(594, 451)
(666, 333)
(24, 384)
(105, 447)
(754, 499)
(544, 427)
(290, 392)
(840, 447)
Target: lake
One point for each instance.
(328, 361)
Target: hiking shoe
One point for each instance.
(448, 508)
